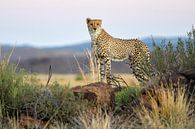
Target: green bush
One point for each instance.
(58, 103)
(168, 57)
(79, 77)
(125, 96)
(21, 93)
(16, 86)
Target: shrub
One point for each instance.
(16, 87)
(21, 93)
(100, 120)
(125, 96)
(58, 104)
(79, 77)
(171, 111)
(168, 57)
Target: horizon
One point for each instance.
(49, 23)
(156, 38)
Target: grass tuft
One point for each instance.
(171, 110)
(126, 96)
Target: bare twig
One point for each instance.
(91, 64)
(9, 57)
(80, 69)
(17, 63)
(56, 111)
(49, 76)
(117, 80)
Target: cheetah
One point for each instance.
(107, 48)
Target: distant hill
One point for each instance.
(87, 45)
(62, 58)
(72, 48)
(159, 40)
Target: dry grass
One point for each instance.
(94, 76)
(83, 78)
(97, 121)
(70, 79)
(100, 120)
(62, 79)
(170, 111)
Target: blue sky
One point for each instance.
(62, 22)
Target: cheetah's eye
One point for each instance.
(91, 24)
(98, 24)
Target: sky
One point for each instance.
(45, 23)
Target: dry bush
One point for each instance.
(100, 120)
(167, 109)
(92, 76)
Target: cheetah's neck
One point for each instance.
(95, 34)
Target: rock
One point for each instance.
(172, 81)
(167, 82)
(189, 74)
(29, 122)
(100, 93)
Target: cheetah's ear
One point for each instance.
(100, 21)
(88, 20)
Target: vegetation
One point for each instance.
(79, 78)
(22, 95)
(168, 57)
(171, 110)
(126, 96)
(172, 114)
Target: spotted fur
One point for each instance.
(108, 48)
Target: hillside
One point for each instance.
(62, 58)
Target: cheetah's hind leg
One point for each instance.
(150, 67)
(138, 70)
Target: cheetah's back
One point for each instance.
(121, 49)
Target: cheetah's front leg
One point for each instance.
(98, 69)
(108, 71)
(100, 65)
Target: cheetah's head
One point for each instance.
(94, 24)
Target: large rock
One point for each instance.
(167, 82)
(100, 93)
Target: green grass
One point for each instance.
(126, 96)
(20, 93)
(16, 87)
(79, 77)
